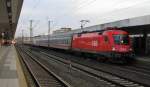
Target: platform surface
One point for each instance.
(143, 58)
(8, 70)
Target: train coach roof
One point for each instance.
(81, 31)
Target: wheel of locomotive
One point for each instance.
(101, 58)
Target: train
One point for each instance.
(111, 44)
(5, 42)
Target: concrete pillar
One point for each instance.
(145, 42)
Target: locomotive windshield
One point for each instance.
(121, 39)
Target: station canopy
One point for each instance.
(9, 15)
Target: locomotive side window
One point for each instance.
(106, 38)
(121, 39)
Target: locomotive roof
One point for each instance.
(100, 31)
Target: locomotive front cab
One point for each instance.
(121, 45)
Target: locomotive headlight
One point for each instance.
(113, 49)
(130, 49)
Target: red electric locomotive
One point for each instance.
(113, 43)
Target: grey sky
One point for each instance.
(68, 13)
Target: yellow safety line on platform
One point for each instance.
(21, 76)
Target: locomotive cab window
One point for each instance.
(121, 39)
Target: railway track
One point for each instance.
(101, 80)
(111, 78)
(142, 67)
(137, 70)
(42, 76)
(132, 73)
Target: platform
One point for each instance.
(9, 72)
(143, 59)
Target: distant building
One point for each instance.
(62, 30)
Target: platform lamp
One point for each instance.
(3, 37)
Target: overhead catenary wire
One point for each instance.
(29, 17)
(86, 4)
(34, 7)
(118, 10)
(36, 24)
(115, 10)
(83, 4)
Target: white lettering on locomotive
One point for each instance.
(95, 43)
